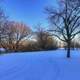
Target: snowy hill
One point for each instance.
(45, 65)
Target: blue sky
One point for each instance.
(30, 12)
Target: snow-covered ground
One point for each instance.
(2, 50)
(45, 65)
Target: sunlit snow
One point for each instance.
(44, 65)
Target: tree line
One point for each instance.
(64, 25)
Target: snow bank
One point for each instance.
(50, 65)
(2, 50)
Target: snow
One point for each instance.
(44, 65)
(2, 50)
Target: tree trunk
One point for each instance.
(68, 50)
(16, 46)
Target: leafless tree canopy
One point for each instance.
(65, 21)
(45, 41)
(3, 19)
(14, 33)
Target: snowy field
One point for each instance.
(45, 65)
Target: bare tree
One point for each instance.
(66, 21)
(45, 41)
(14, 33)
(3, 19)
